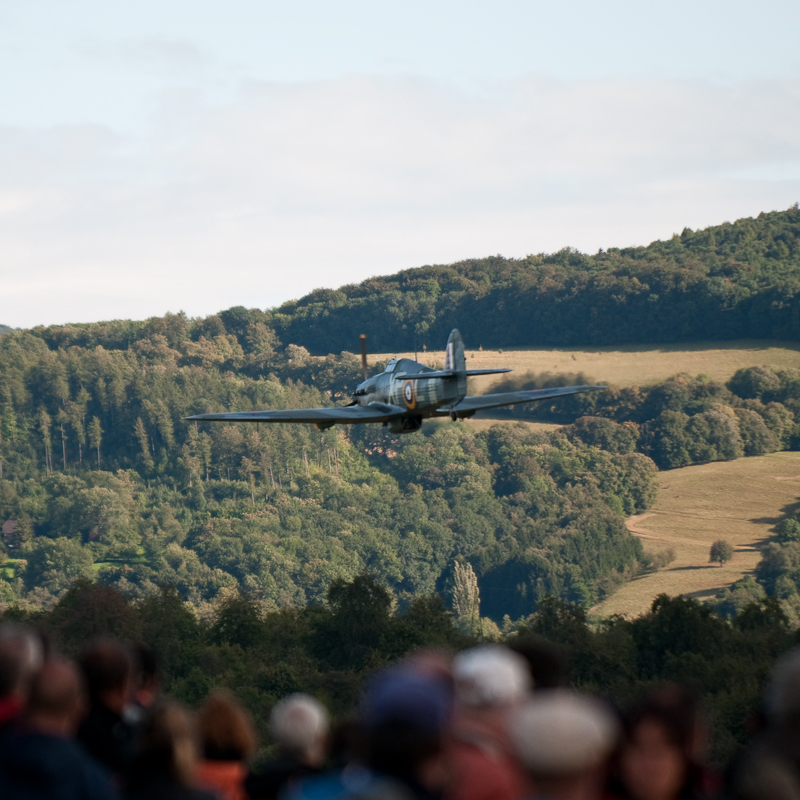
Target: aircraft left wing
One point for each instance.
(342, 415)
(479, 402)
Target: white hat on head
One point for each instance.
(560, 733)
(490, 675)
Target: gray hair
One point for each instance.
(298, 723)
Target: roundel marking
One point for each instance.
(409, 395)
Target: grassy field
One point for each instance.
(739, 501)
(627, 366)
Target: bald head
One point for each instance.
(56, 697)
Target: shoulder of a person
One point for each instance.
(348, 784)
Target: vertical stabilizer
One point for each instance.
(454, 359)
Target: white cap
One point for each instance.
(560, 734)
(490, 675)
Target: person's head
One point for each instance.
(148, 673)
(490, 677)
(21, 655)
(55, 704)
(225, 729)
(662, 743)
(299, 725)
(545, 661)
(168, 746)
(405, 719)
(782, 700)
(108, 671)
(563, 740)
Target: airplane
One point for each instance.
(405, 394)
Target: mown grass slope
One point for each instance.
(635, 365)
(739, 501)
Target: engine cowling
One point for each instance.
(405, 425)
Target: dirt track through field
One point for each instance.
(739, 501)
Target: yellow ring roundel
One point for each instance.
(409, 395)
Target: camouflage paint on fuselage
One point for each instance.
(420, 397)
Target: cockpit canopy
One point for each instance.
(391, 365)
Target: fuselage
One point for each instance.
(422, 397)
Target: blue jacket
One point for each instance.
(34, 766)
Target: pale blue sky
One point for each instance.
(146, 147)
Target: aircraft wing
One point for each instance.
(341, 415)
(479, 402)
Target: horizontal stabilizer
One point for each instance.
(418, 376)
(487, 371)
(446, 373)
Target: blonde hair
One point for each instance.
(226, 729)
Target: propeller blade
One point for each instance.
(364, 355)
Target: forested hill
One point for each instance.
(101, 477)
(732, 281)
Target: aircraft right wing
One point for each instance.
(374, 412)
(479, 402)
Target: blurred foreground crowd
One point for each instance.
(491, 723)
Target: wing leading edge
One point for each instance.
(479, 402)
(374, 412)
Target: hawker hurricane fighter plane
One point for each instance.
(404, 394)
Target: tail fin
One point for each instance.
(455, 360)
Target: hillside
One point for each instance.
(102, 478)
(737, 280)
(739, 501)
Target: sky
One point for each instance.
(194, 155)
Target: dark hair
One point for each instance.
(107, 666)
(678, 712)
(545, 661)
(12, 670)
(676, 709)
(147, 663)
(399, 748)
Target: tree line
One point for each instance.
(731, 281)
(681, 421)
(328, 649)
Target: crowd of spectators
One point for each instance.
(490, 723)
